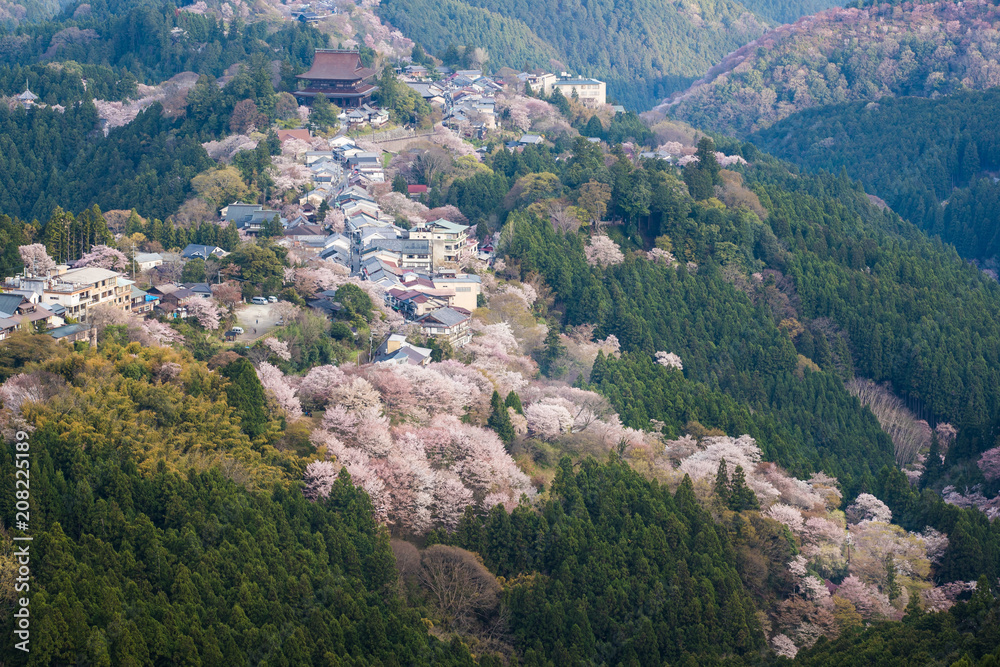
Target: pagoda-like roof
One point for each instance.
(338, 65)
(27, 95)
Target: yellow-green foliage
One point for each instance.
(159, 405)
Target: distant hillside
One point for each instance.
(843, 55)
(946, 181)
(645, 49)
(13, 14)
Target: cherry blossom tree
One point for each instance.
(451, 497)
(946, 434)
(204, 311)
(448, 212)
(867, 507)
(871, 604)
(36, 259)
(319, 276)
(989, 464)
(161, 334)
(937, 544)
(228, 293)
(319, 479)
(277, 387)
(225, 149)
(20, 389)
(669, 360)
(784, 646)
(944, 597)
(335, 220)
(104, 257)
(602, 251)
(788, 515)
(355, 395)
(316, 388)
(547, 421)
(359, 465)
(278, 348)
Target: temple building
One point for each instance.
(338, 74)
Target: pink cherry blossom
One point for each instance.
(103, 257)
(278, 348)
(277, 387)
(319, 478)
(989, 464)
(670, 360)
(36, 259)
(602, 251)
(204, 311)
(867, 507)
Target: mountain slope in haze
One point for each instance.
(941, 180)
(13, 14)
(644, 49)
(843, 55)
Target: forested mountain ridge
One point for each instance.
(842, 55)
(644, 49)
(15, 12)
(946, 183)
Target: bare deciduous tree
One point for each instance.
(458, 584)
(909, 435)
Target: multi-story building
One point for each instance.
(339, 75)
(591, 92)
(77, 290)
(449, 241)
(466, 288)
(447, 324)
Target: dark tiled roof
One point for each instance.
(446, 316)
(338, 65)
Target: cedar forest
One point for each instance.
(737, 408)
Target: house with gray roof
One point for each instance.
(198, 251)
(447, 324)
(249, 217)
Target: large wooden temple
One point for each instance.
(338, 74)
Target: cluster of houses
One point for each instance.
(59, 301)
(416, 267)
(466, 98)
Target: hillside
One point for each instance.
(947, 185)
(842, 55)
(15, 12)
(644, 49)
(700, 408)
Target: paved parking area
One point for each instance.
(257, 321)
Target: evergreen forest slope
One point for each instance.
(842, 55)
(942, 181)
(16, 12)
(644, 49)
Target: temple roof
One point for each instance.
(337, 65)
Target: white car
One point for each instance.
(272, 299)
(258, 301)
(238, 330)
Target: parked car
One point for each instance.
(237, 330)
(259, 301)
(272, 299)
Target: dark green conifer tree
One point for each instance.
(514, 401)
(499, 420)
(741, 496)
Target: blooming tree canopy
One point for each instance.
(104, 257)
(36, 259)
